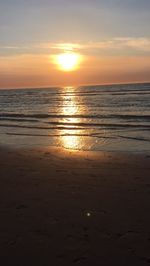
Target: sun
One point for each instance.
(68, 61)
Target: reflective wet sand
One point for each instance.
(74, 208)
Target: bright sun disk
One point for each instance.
(68, 61)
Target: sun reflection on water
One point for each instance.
(70, 138)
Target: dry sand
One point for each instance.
(72, 208)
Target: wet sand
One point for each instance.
(73, 208)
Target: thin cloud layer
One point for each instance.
(116, 44)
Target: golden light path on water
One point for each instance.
(70, 139)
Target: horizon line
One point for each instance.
(80, 85)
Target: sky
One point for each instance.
(112, 36)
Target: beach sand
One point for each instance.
(74, 208)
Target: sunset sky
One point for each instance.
(112, 38)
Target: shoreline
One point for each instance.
(64, 207)
(78, 85)
(65, 151)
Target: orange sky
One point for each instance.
(112, 36)
(39, 70)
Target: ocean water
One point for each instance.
(100, 118)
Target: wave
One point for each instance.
(77, 135)
(79, 126)
(84, 124)
(40, 128)
(134, 138)
(17, 120)
(4, 116)
(48, 135)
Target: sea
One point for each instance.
(90, 118)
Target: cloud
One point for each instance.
(111, 46)
(142, 44)
(138, 44)
(114, 45)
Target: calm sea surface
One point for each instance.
(108, 118)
